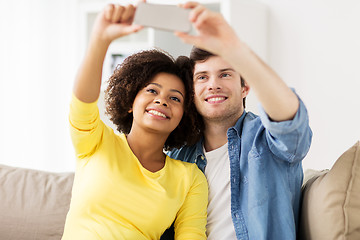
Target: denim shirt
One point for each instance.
(265, 173)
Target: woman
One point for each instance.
(125, 187)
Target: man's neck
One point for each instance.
(214, 137)
(215, 134)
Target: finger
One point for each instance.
(131, 29)
(202, 17)
(190, 4)
(120, 30)
(186, 38)
(194, 14)
(128, 14)
(118, 12)
(109, 9)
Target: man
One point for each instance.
(252, 163)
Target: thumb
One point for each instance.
(131, 29)
(189, 39)
(210, 45)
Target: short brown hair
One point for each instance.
(133, 75)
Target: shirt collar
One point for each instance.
(199, 147)
(239, 124)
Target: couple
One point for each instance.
(125, 187)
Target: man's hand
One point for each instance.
(214, 34)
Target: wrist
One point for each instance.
(98, 41)
(98, 36)
(97, 48)
(235, 53)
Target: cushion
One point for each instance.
(33, 204)
(331, 200)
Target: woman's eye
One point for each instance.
(175, 99)
(151, 90)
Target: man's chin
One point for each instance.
(214, 117)
(221, 116)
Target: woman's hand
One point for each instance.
(115, 21)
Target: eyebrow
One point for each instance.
(221, 70)
(172, 90)
(227, 69)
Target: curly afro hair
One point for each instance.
(133, 75)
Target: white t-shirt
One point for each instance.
(217, 172)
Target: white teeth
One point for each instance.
(157, 113)
(216, 99)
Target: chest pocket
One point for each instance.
(258, 179)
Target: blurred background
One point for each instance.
(312, 44)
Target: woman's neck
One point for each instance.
(148, 148)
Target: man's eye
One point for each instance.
(201, 77)
(175, 99)
(225, 75)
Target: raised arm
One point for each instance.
(215, 35)
(113, 22)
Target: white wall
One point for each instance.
(38, 64)
(313, 45)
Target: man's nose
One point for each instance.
(214, 84)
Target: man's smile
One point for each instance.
(215, 99)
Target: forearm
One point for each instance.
(288, 140)
(217, 36)
(277, 99)
(88, 80)
(113, 22)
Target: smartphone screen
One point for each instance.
(165, 17)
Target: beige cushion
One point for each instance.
(33, 204)
(331, 200)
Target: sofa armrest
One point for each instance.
(33, 204)
(331, 200)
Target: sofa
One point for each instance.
(34, 204)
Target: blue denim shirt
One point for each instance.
(266, 173)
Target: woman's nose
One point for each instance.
(161, 102)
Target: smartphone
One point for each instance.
(165, 17)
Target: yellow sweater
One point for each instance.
(115, 197)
